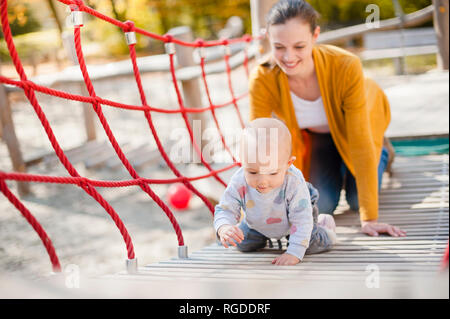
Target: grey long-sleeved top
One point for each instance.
(284, 210)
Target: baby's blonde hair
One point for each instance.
(261, 129)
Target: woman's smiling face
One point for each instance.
(292, 44)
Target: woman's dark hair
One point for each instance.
(285, 10)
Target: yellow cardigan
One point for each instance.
(357, 110)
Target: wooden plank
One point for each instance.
(403, 223)
(364, 238)
(412, 206)
(398, 191)
(332, 252)
(264, 275)
(404, 216)
(280, 272)
(336, 261)
(441, 26)
(390, 53)
(115, 163)
(219, 277)
(344, 34)
(353, 256)
(410, 202)
(413, 185)
(441, 195)
(12, 142)
(392, 267)
(75, 154)
(339, 248)
(97, 157)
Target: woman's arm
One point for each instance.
(362, 152)
(360, 140)
(261, 94)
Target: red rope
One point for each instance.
(153, 130)
(79, 5)
(34, 223)
(89, 185)
(88, 99)
(113, 141)
(186, 120)
(213, 113)
(230, 87)
(29, 92)
(80, 181)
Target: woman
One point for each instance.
(336, 117)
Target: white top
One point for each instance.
(310, 114)
(282, 211)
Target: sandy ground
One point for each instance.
(82, 232)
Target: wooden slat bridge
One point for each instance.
(415, 198)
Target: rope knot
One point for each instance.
(199, 43)
(168, 38)
(98, 100)
(26, 85)
(83, 182)
(76, 5)
(129, 26)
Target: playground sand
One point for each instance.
(82, 232)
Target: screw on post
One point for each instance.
(76, 16)
(130, 35)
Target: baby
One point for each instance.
(276, 199)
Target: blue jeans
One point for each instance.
(254, 240)
(329, 174)
(319, 241)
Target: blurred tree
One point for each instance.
(21, 18)
(339, 13)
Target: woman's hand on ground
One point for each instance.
(374, 228)
(228, 234)
(285, 260)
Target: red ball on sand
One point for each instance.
(179, 196)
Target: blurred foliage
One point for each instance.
(34, 46)
(21, 18)
(339, 13)
(414, 65)
(205, 17)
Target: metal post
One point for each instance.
(88, 111)
(441, 26)
(259, 10)
(10, 138)
(400, 62)
(132, 266)
(191, 88)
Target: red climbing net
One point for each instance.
(89, 185)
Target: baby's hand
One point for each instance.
(229, 232)
(286, 260)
